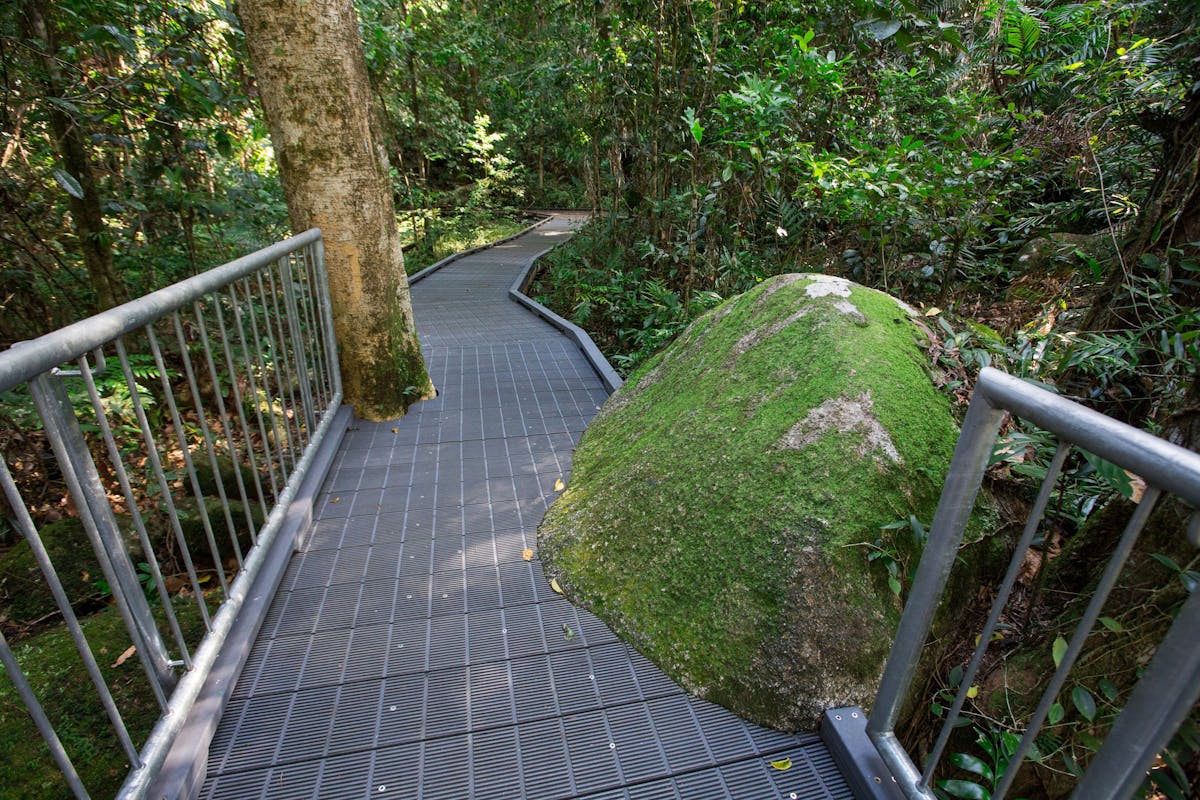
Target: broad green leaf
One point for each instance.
(689, 119)
(1190, 580)
(1055, 715)
(882, 28)
(985, 741)
(1167, 562)
(1111, 624)
(1114, 476)
(968, 790)
(972, 764)
(1058, 650)
(1109, 689)
(65, 105)
(1084, 701)
(67, 181)
(955, 677)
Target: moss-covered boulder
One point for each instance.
(24, 594)
(725, 500)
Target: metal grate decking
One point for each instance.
(412, 653)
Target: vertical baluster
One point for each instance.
(312, 331)
(118, 463)
(188, 462)
(239, 401)
(284, 359)
(230, 445)
(292, 309)
(29, 532)
(210, 450)
(1079, 637)
(167, 498)
(91, 501)
(45, 728)
(331, 354)
(277, 367)
(257, 349)
(1032, 523)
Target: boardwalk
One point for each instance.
(412, 652)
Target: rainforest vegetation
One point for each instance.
(1025, 174)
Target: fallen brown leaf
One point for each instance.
(121, 659)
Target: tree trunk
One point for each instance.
(312, 78)
(1170, 216)
(86, 213)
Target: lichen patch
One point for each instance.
(826, 285)
(851, 311)
(843, 415)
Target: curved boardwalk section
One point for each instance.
(412, 651)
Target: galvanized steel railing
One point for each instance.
(1170, 685)
(233, 372)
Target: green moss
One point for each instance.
(192, 524)
(24, 595)
(54, 669)
(229, 476)
(396, 377)
(696, 535)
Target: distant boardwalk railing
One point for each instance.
(1170, 685)
(177, 439)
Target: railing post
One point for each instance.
(331, 344)
(96, 514)
(1159, 704)
(304, 378)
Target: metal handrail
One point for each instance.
(260, 331)
(27, 360)
(1170, 685)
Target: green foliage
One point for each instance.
(182, 170)
(497, 182)
(439, 237)
(998, 748)
(56, 672)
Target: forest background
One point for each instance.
(1029, 168)
(1025, 174)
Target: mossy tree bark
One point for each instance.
(1170, 217)
(312, 79)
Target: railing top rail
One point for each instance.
(1146, 721)
(1159, 462)
(28, 359)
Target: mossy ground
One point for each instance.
(54, 669)
(687, 527)
(447, 237)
